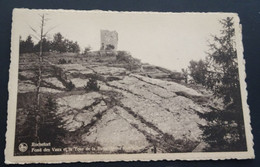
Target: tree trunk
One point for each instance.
(39, 82)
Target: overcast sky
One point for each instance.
(167, 40)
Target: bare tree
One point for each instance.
(40, 36)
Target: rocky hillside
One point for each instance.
(131, 112)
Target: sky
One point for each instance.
(164, 39)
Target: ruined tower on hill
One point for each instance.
(109, 40)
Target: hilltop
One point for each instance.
(138, 107)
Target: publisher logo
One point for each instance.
(23, 147)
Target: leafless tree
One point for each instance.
(40, 35)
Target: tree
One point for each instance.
(25, 130)
(46, 46)
(225, 129)
(58, 43)
(49, 127)
(40, 35)
(51, 123)
(223, 57)
(198, 71)
(62, 45)
(75, 47)
(87, 49)
(185, 74)
(27, 45)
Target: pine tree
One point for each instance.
(51, 125)
(27, 45)
(225, 129)
(198, 71)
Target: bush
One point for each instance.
(110, 47)
(92, 85)
(112, 78)
(62, 61)
(126, 58)
(70, 86)
(199, 71)
(123, 56)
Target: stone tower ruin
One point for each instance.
(109, 40)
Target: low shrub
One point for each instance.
(62, 61)
(70, 86)
(92, 85)
(112, 78)
(123, 56)
(126, 58)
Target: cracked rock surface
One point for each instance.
(129, 113)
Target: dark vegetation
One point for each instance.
(219, 73)
(126, 58)
(38, 124)
(110, 47)
(51, 124)
(70, 86)
(58, 73)
(86, 50)
(92, 84)
(62, 61)
(198, 71)
(59, 44)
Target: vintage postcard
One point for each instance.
(123, 86)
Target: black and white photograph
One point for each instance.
(133, 84)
